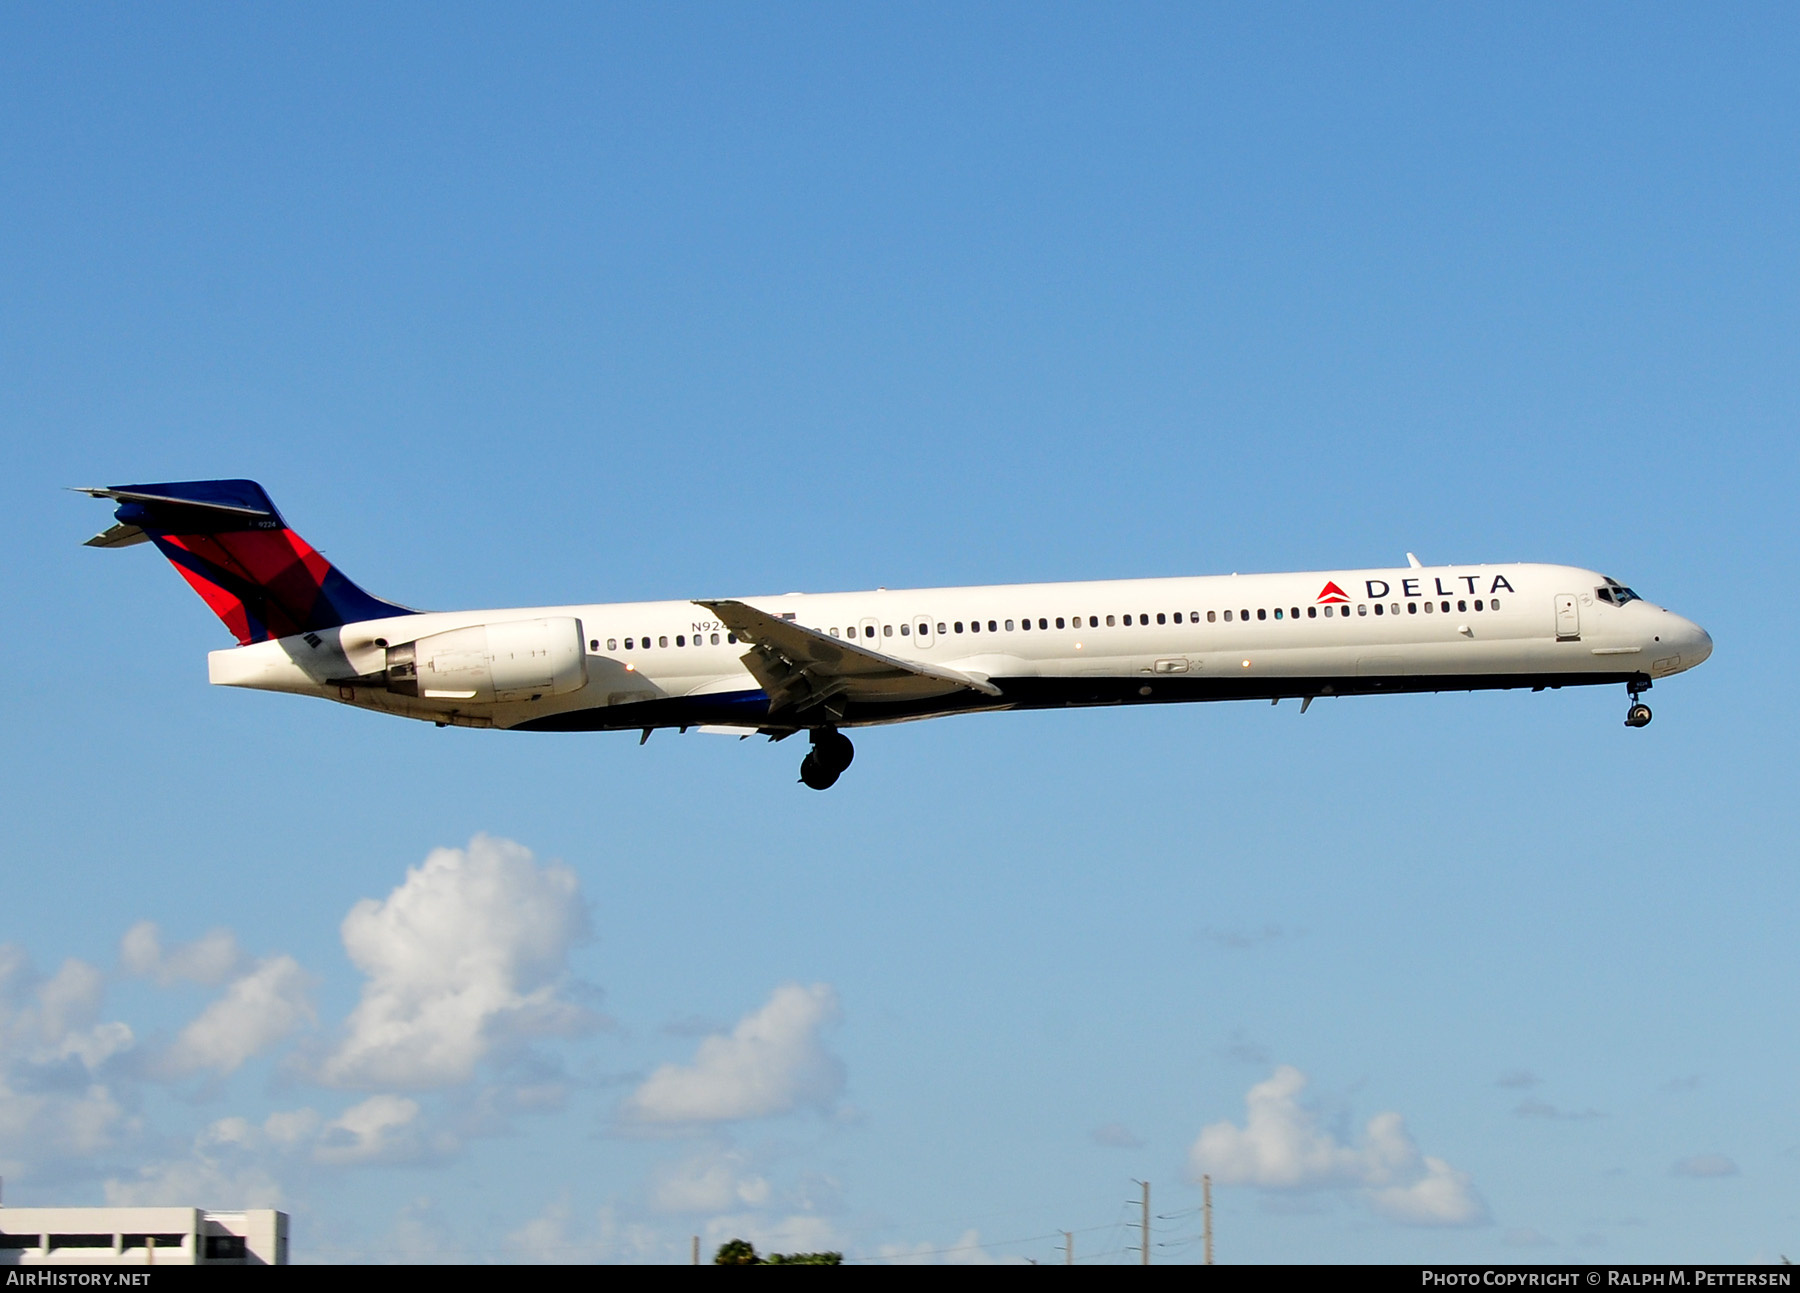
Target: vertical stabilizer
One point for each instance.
(231, 545)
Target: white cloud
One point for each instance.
(220, 1171)
(1281, 1146)
(233, 1158)
(190, 1181)
(1527, 1237)
(468, 954)
(546, 1238)
(966, 1250)
(259, 1009)
(1705, 1165)
(381, 1128)
(708, 1183)
(69, 1000)
(56, 1099)
(1115, 1135)
(209, 960)
(773, 1062)
(1532, 1107)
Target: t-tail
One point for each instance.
(231, 545)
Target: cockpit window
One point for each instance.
(1616, 593)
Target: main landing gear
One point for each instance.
(830, 755)
(1639, 713)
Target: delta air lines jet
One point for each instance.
(822, 662)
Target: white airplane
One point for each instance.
(822, 662)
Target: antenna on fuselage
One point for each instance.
(1413, 562)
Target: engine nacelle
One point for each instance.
(491, 663)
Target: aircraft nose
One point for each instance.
(1696, 644)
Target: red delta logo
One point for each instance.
(1331, 594)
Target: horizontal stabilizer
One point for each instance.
(235, 503)
(120, 536)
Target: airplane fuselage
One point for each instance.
(642, 665)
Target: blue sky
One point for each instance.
(605, 303)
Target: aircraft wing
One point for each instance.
(803, 669)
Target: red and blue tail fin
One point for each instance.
(231, 545)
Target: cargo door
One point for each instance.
(1568, 618)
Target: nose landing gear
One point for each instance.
(1639, 713)
(831, 753)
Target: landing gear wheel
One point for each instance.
(831, 753)
(1638, 716)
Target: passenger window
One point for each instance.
(1412, 608)
(593, 644)
(836, 634)
(959, 626)
(1143, 619)
(1178, 617)
(1362, 608)
(1312, 612)
(1293, 612)
(1493, 603)
(1261, 614)
(731, 639)
(1393, 608)
(662, 641)
(1445, 607)
(1478, 603)
(887, 630)
(1009, 627)
(1128, 621)
(1211, 614)
(1228, 617)
(995, 628)
(1278, 612)
(906, 630)
(1328, 612)
(1429, 608)
(715, 639)
(1044, 623)
(1243, 615)
(612, 644)
(1109, 621)
(1160, 619)
(941, 629)
(1059, 621)
(974, 626)
(1378, 608)
(1094, 621)
(1462, 606)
